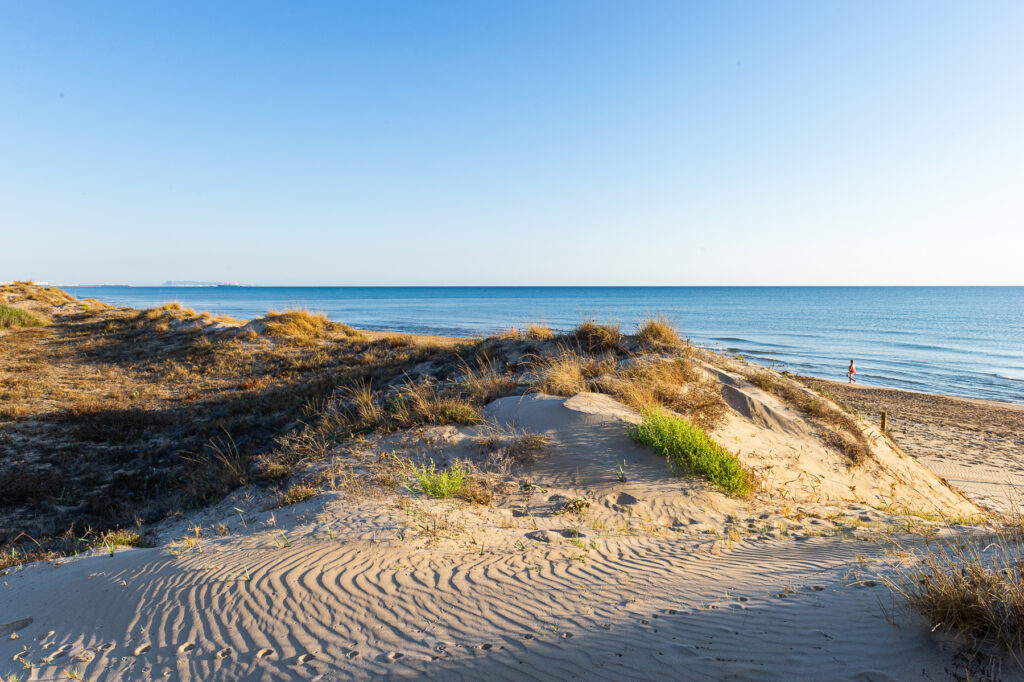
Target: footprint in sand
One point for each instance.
(353, 654)
(186, 648)
(393, 656)
(264, 653)
(305, 658)
(60, 652)
(139, 650)
(566, 635)
(225, 652)
(486, 647)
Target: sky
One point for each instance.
(507, 143)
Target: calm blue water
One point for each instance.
(965, 341)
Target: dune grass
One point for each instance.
(969, 587)
(16, 318)
(657, 330)
(538, 332)
(568, 372)
(302, 326)
(598, 337)
(691, 451)
(298, 492)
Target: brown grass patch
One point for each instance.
(485, 382)
(569, 371)
(536, 332)
(968, 587)
(298, 492)
(678, 384)
(302, 326)
(657, 330)
(598, 337)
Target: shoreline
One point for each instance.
(787, 326)
(977, 445)
(399, 504)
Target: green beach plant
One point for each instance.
(691, 451)
(15, 318)
(440, 482)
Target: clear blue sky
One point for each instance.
(513, 142)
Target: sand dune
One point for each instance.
(661, 577)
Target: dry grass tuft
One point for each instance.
(536, 332)
(967, 586)
(298, 492)
(657, 330)
(302, 326)
(424, 403)
(598, 337)
(485, 382)
(568, 372)
(676, 384)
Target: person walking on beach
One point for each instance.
(850, 372)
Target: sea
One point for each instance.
(964, 341)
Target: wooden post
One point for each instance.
(884, 419)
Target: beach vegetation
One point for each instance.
(222, 464)
(677, 383)
(484, 382)
(971, 587)
(440, 483)
(538, 332)
(298, 492)
(657, 330)
(424, 403)
(691, 451)
(574, 505)
(594, 337)
(16, 318)
(567, 372)
(302, 326)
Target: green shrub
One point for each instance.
(440, 482)
(691, 451)
(12, 318)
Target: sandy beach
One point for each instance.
(976, 445)
(572, 550)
